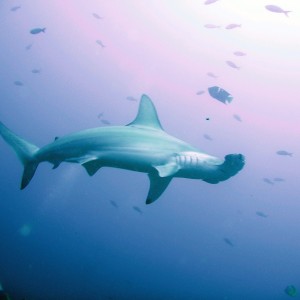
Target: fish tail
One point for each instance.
(286, 12)
(44, 29)
(25, 152)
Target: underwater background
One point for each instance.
(72, 236)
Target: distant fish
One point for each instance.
(206, 136)
(28, 47)
(106, 122)
(130, 98)
(96, 16)
(291, 291)
(36, 71)
(228, 242)
(239, 53)
(283, 152)
(100, 43)
(136, 208)
(211, 26)
(277, 9)
(113, 203)
(232, 64)
(238, 118)
(268, 181)
(18, 83)
(220, 94)
(200, 92)
(37, 30)
(278, 179)
(261, 214)
(100, 115)
(232, 26)
(210, 74)
(210, 2)
(15, 8)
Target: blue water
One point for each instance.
(72, 236)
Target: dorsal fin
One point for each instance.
(147, 115)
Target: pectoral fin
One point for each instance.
(157, 186)
(168, 169)
(92, 166)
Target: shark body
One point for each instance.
(141, 146)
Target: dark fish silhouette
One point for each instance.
(228, 242)
(284, 153)
(291, 291)
(239, 53)
(18, 83)
(96, 16)
(210, 2)
(106, 122)
(130, 98)
(37, 30)
(100, 43)
(232, 26)
(261, 214)
(36, 71)
(268, 181)
(113, 203)
(200, 93)
(220, 94)
(28, 47)
(237, 117)
(136, 208)
(210, 74)
(15, 8)
(211, 26)
(232, 64)
(206, 136)
(277, 9)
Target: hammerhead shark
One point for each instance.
(141, 146)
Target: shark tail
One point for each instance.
(25, 152)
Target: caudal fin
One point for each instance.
(25, 152)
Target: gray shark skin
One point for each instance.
(141, 146)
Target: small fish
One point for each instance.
(210, 74)
(37, 30)
(136, 208)
(200, 92)
(206, 136)
(211, 26)
(100, 43)
(268, 181)
(100, 115)
(232, 26)
(220, 94)
(210, 2)
(130, 98)
(277, 9)
(278, 179)
(291, 291)
(238, 118)
(239, 53)
(28, 47)
(283, 152)
(113, 203)
(18, 83)
(36, 71)
(96, 16)
(261, 214)
(15, 8)
(106, 122)
(228, 242)
(232, 65)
